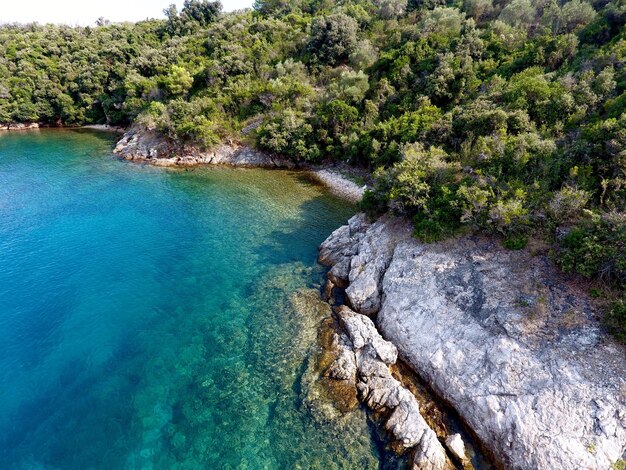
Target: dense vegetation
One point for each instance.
(506, 116)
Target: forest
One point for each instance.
(504, 117)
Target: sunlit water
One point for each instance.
(146, 314)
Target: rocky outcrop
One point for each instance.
(363, 361)
(141, 144)
(19, 126)
(144, 145)
(499, 335)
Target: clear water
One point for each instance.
(147, 315)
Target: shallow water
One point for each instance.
(147, 318)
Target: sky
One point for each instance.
(86, 12)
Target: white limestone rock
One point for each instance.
(368, 265)
(502, 337)
(380, 391)
(456, 446)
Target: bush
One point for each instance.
(567, 204)
(413, 177)
(289, 133)
(597, 249)
(333, 39)
(615, 319)
(509, 215)
(515, 242)
(420, 186)
(441, 218)
(474, 202)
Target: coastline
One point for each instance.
(20, 126)
(145, 146)
(104, 127)
(501, 337)
(338, 184)
(12, 127)
(393, 316)
(139, 146)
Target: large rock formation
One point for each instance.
(141, 144)
(363, 360)
(500, 335)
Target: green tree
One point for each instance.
(333, 38)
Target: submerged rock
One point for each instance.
(538, 381)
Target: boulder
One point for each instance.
(380, 391)
(456, 446)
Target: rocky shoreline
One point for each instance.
(498, 335)
(20, 126)
(142, 145)
(29, 126)
(338, 184)
(145, 146)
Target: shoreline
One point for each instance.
(103, 127)
(145, 146)
(32, 126)
(380, 329)
(500, 337)
(338, 184)
(230, 154)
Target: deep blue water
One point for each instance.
(147, 315)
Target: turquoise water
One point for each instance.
(148, 317)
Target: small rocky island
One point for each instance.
(499, 335)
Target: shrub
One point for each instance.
(441, 218)
(364, 55)
(615, 318)
(442, 22)
(597, 249)
(192, 122)
(567, 204)
(509, 215)
(515, 242)
(333, 39)
(178, 81)
(519, 13)
(420, 186)
(289, 133)
(474, 202)
(388, 9)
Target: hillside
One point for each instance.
(505, 117)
